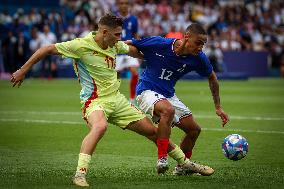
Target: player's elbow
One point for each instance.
(134, 52)
(49, 50)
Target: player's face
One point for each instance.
(195, 43)
(112, 36)
(123, 5)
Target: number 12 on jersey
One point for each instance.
(166, 74)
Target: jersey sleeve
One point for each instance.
(148, 43)
(69, 48)
(122, 48)
(204, 68)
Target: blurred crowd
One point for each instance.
(253, 25)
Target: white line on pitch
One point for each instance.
(256, 118)
(81, 123)
(41, 121)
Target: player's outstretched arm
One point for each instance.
(128, 42)
(214, 87)
(133, 51)
(18, 76)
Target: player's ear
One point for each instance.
(186, 36)
(105, 31)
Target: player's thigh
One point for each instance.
(147, 100)
(97, 119)
(181, 110)
(144, 127)
(97, 111)
(125, 113)
(164, 107)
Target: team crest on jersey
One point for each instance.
(182, 68)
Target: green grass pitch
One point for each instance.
(41, 132)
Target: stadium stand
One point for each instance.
(233, 26)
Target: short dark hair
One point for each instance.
(111, 21)
(195, 28)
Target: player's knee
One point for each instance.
(99, 128)
(196, 131)
(193, 131)
(153, 132)
(153, 136)
(168, 113)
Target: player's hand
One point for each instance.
(17, 77)
(128, 42)
(224, 117)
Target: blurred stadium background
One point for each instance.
(246, 38)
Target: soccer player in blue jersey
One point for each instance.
(167, 60)
(129, 31)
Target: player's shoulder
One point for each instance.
(202, 58)
(201, 55)
(85, 39)
(132, 17)
(158, 39)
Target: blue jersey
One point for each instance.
(129, 28)
(164, 68)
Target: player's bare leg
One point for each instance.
(145, 128)
(165, 111)
(192, 131)
(133, 83)
(98, 126)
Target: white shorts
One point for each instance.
(148, 99)
(125, 61)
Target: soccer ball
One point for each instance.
(235, 147)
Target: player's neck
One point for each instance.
(123, 14)
(100, 41)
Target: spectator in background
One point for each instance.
(34, 44)
(22, 49)
(49, 68)
(129, 31)
(215, 56)
(276, 57)
(282, 66)
(9, 49)
(5, 18)
(81, 17)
